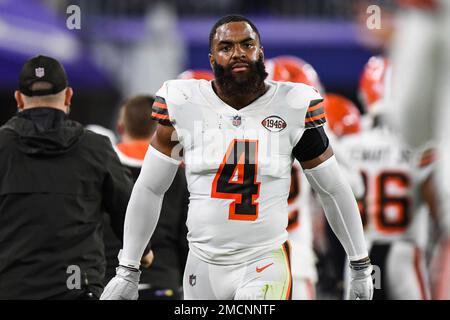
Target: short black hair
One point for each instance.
(228, 19)
(136, 117)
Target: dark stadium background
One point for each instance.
(103, 59)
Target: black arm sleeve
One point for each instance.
(312, 144)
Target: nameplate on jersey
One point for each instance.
(274, 123)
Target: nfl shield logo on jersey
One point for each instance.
(192, 280)
(39, 72)
(236, 121)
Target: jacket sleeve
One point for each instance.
(117, 187)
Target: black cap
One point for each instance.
(42, 68)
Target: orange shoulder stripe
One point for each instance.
(315, 107)
(160, 105)
(312, 119)
(427, 160)
(160, 116)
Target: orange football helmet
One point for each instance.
(343, 117)
(196, 74)
(372, 81)
(420, 4)
(276, 71)
(294, 69)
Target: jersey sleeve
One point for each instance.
(315, 114)
(305, 109)
(426, 164)
(160, 112)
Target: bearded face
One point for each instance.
(240, 77)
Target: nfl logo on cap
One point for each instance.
(39, 72)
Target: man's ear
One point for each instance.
(68, 97)
(211, 61)
(19, 100)
(261, 52)
(120, 125)
(120, 128)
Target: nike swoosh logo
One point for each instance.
(258, 270)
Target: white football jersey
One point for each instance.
(238, 163)
(392, 207)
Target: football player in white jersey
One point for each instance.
(239, 135)
(397, 182)
(420, 57)
(421, 61)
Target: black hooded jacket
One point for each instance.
(56, 178)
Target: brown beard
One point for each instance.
(233, 86)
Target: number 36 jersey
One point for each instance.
(238, 163)
(392, 208)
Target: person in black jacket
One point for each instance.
(163, 279)
(54, 176)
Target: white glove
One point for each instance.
(361, 284)
(124, 286)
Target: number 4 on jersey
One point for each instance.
(236, 179)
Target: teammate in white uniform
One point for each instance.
(421, 61)
(396, 225)
(393, 212)
(239, 135)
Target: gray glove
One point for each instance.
(124, 286)
(361, 284)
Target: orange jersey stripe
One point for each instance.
(443, 283)
(428, 157)
(160, 116)
(312, 119)
(426, 161)
(317, 106)
(288, 293)
(419, 275)
(311, 290)
(160, 105)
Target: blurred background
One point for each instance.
(115, 49)
(123, 48)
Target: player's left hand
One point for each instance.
(361, 284)
(124, 286)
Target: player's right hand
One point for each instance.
(124, 286)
